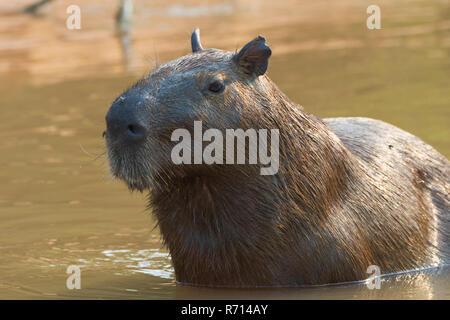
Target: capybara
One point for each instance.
(349, 192)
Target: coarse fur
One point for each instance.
(350, 192)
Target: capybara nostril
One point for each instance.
(136, 131)
(124, 127)
(124, 120)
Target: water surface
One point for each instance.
(58, 204)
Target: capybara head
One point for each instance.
(222, 89)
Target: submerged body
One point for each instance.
(350, 192)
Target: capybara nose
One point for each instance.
(123, 121)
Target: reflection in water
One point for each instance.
(125, 12)
(148, 261)
(425, 284)
(421, 284)
(124, 20)
(179, 10)
(36, 7)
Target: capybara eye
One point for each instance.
(216, 86)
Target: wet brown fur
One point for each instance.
(350, 192)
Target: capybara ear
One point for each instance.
(254, 56)
(195, 41)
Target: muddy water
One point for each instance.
(58, 205)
